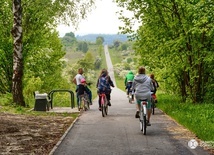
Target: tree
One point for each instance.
(99, 40)
(47, 14)
(82, 46)
(17, 54)
(175, 39)
(69, 39)
(6, 47)
(116, 43)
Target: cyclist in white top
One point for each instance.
(77, 81)
(78, 77)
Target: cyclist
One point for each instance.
(155, 85)
(77, 81)
(81, 89)
(104, 84)
(128, 82)
(143, 86)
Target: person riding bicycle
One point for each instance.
(143, 86)
(128, 82)
(82, 88)
(77, 81)
(156, 85)
(104, 84)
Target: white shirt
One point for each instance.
(78, 78)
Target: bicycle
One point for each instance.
(104, 104)
(130, 97)
(153, 103)
(84, 103)
(143, 116)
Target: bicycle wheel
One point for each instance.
(88, 105)
(85, 106)
(106, 109)
(103, 107)
(103, 110)
(80, 106)
(130, 98)
(142, 122)
(153, 106)
(143, 125)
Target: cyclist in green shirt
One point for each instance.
(128, 81)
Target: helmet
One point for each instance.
(83, 80)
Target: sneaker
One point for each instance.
(109, 103)
(90, 103)
(148, 124)
(99, 108)
(137, 115)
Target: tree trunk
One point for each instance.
(17, 54)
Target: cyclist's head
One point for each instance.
(80, 71)
(104, 72)
(141, 70)
(152, 76)
(130, 72)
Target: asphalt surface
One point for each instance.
(119, 132)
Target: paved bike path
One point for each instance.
(119, 132)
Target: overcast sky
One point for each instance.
(102, 19)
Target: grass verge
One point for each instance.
(198, 118)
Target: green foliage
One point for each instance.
(6, 46)
(175, 40)
(82, 46)
(97, 63)
(116, 44)
(6, 99)
(40, 39)
(69, 39)
(99, 40)
(123, 47)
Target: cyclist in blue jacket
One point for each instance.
(104, 84)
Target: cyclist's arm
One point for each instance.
(125, 81)
(74, 80)
(111, 82)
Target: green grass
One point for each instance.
(28, 111)
(198, 118)
(116, 56)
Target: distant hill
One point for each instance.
(108, 38)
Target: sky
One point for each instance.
(102, 20)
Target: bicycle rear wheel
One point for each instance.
(143, 125)
(106, 109)
(153, 106)
(130, 98)
(103, 110)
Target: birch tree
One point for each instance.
(17, 54)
